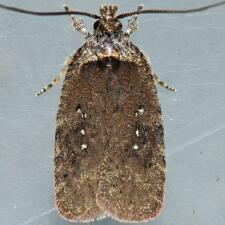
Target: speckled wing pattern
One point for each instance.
(109, 150)
(77, 140)
(132, 177)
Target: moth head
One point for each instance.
(108, 23)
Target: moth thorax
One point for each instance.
(108, 54)
(108, 11)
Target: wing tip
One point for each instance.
(70, 216)
(145, 215)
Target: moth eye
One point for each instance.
(96, 25)
(120, 26)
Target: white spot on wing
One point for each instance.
(137, 133)
(83, 146)
(84, 115)
(141, 110)
(135, 147)
(82, 132)
(78, 110)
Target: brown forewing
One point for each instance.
(79, 142)
(131, 185)
(109, 154)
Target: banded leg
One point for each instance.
(59, 77)
(162, 84)
(132, 23)
(78, 24)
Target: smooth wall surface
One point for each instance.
(186, 51)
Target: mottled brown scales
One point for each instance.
(75, 192)
(131, 183)
(110, 102)
(108, 10)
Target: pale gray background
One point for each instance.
(187, 51)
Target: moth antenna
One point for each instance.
(171, 11)
(60, 13)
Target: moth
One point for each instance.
(109, 149)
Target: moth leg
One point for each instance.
(132, 23)
(56, 80)
(78, 24)
(162, 84)
(51, 84)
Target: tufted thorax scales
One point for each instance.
(108, 11)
